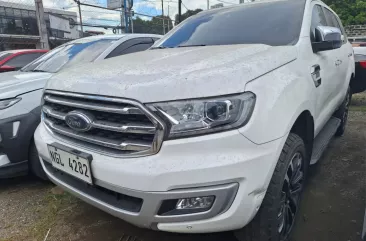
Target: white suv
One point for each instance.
(213, 129)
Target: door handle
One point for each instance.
(350, 55)
(338, 62)
(315, 74)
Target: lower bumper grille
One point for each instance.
(118, 200)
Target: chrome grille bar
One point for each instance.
(138, 128)
(53, 113)
(94, 106)
(119, 127)
(123, 146)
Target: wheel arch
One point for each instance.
(304, 127)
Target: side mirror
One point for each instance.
(327, 38)
(6, 68)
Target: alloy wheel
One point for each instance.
(290, 195)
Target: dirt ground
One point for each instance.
(332, 209)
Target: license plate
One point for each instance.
(72, 162)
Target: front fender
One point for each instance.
(282, 95)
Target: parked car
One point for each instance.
(21, 92)
(358, 84)
(212, 129)
(13, 60)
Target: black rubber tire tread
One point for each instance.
(34, 163)
(339, 114)
(263, 227)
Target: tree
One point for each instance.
(153, 26)
(351, 12)
(187, 14)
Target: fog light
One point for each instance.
(15, 128)
(195, 203)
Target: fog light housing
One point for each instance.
(195, 203)
(184, 206)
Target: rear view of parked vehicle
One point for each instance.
(212, 129)
(358, 84)
(13, 60)
(21, 91)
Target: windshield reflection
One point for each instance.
(76, 52)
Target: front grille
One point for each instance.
(117, 126)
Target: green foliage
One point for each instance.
(187, 14)
(153, 26)
(350, 11)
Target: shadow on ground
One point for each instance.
(333, 205)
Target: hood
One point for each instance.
(16, 83)
(178, 73)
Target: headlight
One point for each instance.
(8, 102)
(202, 116)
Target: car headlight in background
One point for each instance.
(202, 116)
(8, 102)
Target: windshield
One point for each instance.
(76, 52)
(272, 23)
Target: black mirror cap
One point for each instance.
(326, 45)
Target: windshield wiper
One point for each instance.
(38, 70)
(161, 47)
(193, 45)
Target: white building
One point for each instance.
(19, 29)
(219, 5)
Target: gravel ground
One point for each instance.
(332, 209)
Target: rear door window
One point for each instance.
(22, 60)
(131, 46)
(137, 48)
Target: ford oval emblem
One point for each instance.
(79, 120)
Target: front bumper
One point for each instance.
(226, 165)
(358, 83)
(16, 134)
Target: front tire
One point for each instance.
(276, 217)
(35, 165)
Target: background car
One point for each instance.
(21, 92)
(16, 59)
(358, 84)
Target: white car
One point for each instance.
(213, 128)
(21, 94)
